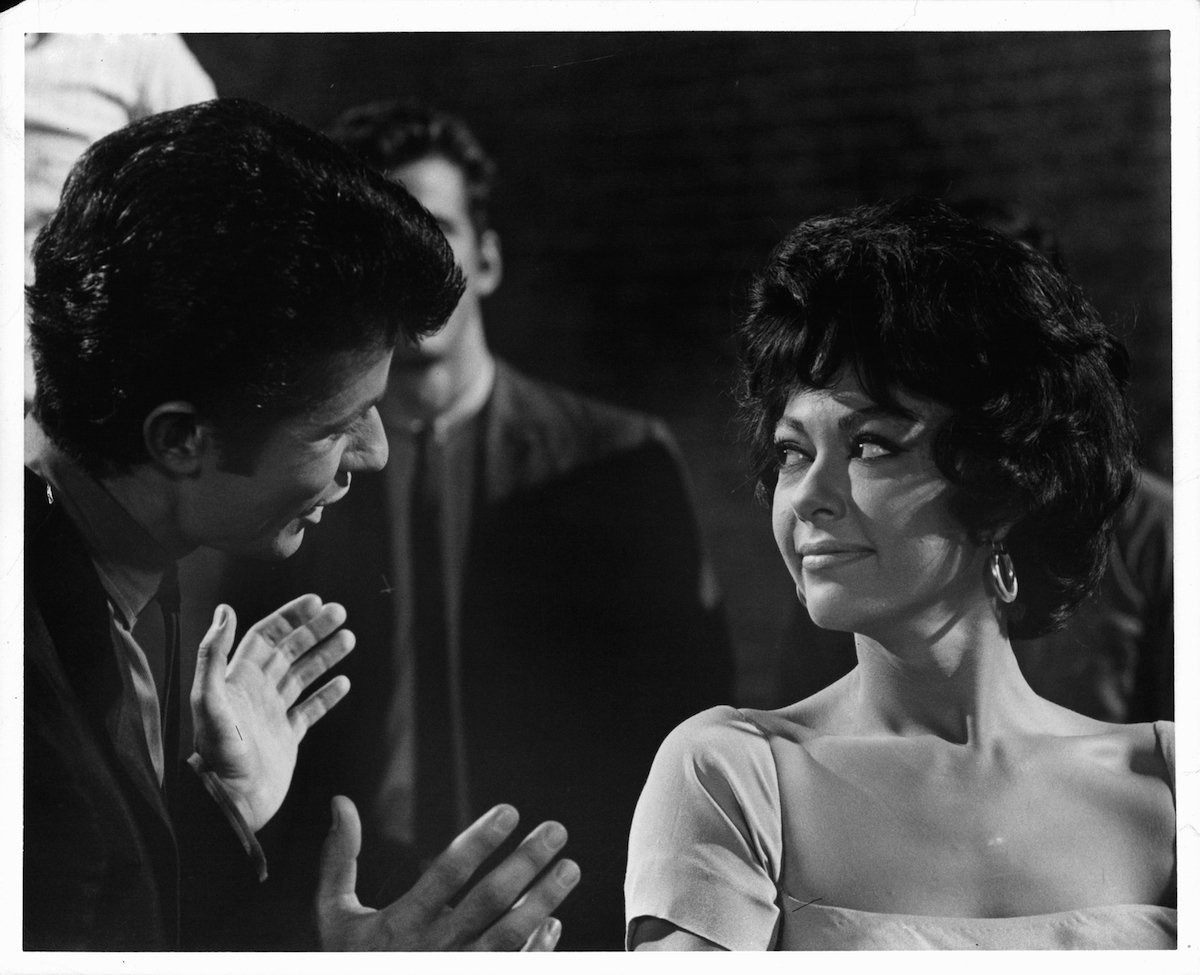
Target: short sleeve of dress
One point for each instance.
(1164, 733)
(706, 845)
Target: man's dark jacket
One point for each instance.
(105, 865)
(585, 638)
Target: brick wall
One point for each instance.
(645, 175)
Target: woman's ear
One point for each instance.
(175, 439)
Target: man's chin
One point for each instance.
(289, 544)
(282, 546)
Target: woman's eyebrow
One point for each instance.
(852, 420)
(877, 412)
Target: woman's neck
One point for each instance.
(963, 685)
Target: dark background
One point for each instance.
(643, 177)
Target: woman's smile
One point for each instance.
(832, 559)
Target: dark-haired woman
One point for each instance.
(939, 418)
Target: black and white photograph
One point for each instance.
(600, 478)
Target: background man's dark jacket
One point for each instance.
(586, 638)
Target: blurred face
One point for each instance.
(861, 515)
(440, 187)
(304, 466)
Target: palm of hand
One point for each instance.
(248, 726)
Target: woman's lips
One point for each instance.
(832, 558)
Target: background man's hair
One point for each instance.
(1016, 222)
(392, 133)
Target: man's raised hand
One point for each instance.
(247, 722)
(498, 913)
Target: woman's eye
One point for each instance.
(873, 448)
(789, 455)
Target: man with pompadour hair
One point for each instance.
(213, 315)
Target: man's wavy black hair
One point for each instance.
(912, 296)
(225, 255)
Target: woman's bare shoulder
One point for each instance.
(829, 712)
(1141, 749)
(800, 722)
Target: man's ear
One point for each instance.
(491, 264)
(175, 438)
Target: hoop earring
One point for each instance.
(1003, 574)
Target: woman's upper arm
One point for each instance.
(705, 843)
(655, 934)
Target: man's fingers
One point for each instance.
(302, 639)
(314, 707)
(274, 629)
(545, 937)
(533, 908)
(491, 898)
(339, 859)
(521, 925)
(213, 654)
(312, 665)
(455, 866)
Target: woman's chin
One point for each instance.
(832, 618)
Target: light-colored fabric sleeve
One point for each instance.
(1164, 733)
(169, 75)
(705, 850)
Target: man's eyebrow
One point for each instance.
(348, 418)
(364, 409)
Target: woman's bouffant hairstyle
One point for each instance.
(912, 296)
(225, 255)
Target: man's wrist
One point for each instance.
(236, 809)
(228, 797)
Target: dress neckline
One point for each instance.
(968, 919)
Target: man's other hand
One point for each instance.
(248, 725)
(497, 914)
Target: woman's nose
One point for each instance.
(820, 494)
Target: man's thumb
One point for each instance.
(339, 854)
(213, 653)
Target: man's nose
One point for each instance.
(369, 452)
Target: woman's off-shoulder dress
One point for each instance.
(707, 851)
